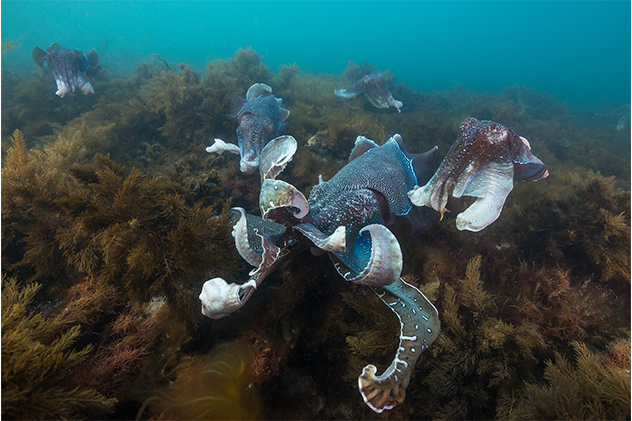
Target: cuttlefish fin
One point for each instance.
(93, 58)
(418, 221)
(235, 105)
(39, 56)
(92, 71)
(424, 165)
(362, 144)
(283, 114)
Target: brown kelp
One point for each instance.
(123, 335)
(476, 354)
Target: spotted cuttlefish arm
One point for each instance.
(420, 327)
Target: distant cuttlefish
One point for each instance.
(374, 89)
(68, 66)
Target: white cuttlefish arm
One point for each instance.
(220, 146)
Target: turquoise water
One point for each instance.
(577, 51)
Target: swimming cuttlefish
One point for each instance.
(68, 66)
(261, 119)
(346, 218)
(374, 89)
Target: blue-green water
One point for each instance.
(577, 51)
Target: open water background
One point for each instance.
(579, 51)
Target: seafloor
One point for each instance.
(113, 216)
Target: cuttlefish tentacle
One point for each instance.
(275, 156)
(419, 328)
(220, 146)
(334, 243)
(219, 298)
(384, 264)
(269, 256)
(240, 234)
(277, 194)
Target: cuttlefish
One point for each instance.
(261, 119)
(68, 66)
(483, 162)
(346, 218)
(374, 89)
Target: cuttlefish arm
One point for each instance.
(275, 156)
(220, 146)
(420, 327)
(257, 241)
(381, 256)
(483, 162)
(219, 298)
(281, 202)
(335, 243)
(371, 260)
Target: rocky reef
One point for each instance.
(113, 216)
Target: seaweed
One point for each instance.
(36, 363)
(177, 100)
(28, 192)
(145, 234)
(212, 386)
(123, 335)
(33, 107)
(110, 203)
(595, 387)
(476, 354)
(355, 72)
(586, 230)
(564, 308)
(341, 131)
